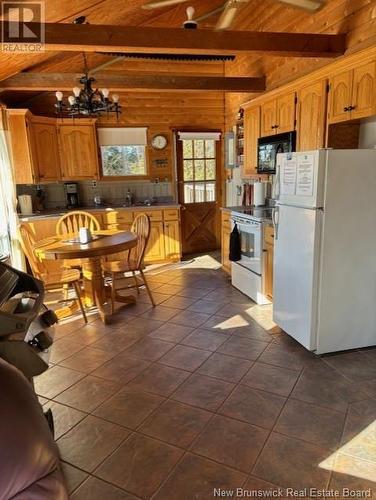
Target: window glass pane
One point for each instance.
(199, 170)
(210, 191)
(199, 192)
(210, 148)
(189, 193)
(199, 148)
(123, 160)
(188, 170)
(187, 149)
(210, 169)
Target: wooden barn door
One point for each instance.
(198, 172)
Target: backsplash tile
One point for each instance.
(111, 192)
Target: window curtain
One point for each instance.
(216, 136)
(122, 136)
(8, 201)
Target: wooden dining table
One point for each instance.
(105, 243)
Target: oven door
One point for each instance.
(250, 244)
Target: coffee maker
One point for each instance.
(71, 195)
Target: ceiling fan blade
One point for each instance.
(211, 13)
(161, 3)
(310, 5)
(229, 14)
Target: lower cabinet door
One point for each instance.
(155, 250)
(172, 240)
(226, 264)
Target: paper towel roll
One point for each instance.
(259, 194)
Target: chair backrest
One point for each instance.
(140, 226)
(28, 242)
(72, 222)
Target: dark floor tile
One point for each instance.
(144, 325)
(352, 474)
(159, 379)
(64, 417)
(149, 349)
(356, 366)
(197, 478)
(121, 369)
(243, 348)
(324, 386)
(178, 302)
(231, 442)
(286, 356)
(192, 292)
(271, 378)
(205, 306)
(253, 406)
(73, 476)
(184, 357)
(88, 393)
(205, 339)
(128, 408)
(171, 332)
(64, 348)
(90, 442)
(312, 423)
(268, 489)
(292, 463)
(55, 380)
(176, 423)
(204, 392)
(140, 465)
(225, 367)
(117, 341)
(95, 489)
(87, 360)
(252, 331)
(161, 313)
(190, 318)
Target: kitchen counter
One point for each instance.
(58, 212)
(261, 213)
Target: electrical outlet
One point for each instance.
(93, 184)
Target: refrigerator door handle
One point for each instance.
(275, 220)
(277, 186)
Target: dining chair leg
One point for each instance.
(136, 282)
(65, 291)
(78, 293)
(113, 293)
(147, 288)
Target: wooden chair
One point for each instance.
(134, 263)
(52, 280)
(70, 224)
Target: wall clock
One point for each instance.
(159, 141)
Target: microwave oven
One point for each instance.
(269, 147)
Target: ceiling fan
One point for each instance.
(230, 8)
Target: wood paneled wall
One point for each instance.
(357, 18)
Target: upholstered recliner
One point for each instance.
(29, 458)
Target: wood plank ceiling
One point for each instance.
(357, 18)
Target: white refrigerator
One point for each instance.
(325, 248)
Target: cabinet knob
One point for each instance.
(351, 108)
(347, 108)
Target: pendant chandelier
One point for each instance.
(86, 101)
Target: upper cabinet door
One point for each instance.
(364, 91)
(79, 154)
(251, 135)
(268, 118)
(286, 113)
(311, 116)
(340, 97)
(45, 150)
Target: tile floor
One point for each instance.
(204, 392)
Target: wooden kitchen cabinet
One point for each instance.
(311, 109)
(353, 93)
(268, 260)
(278, 115)
(225, 241)
(78, 150)
(155, 250)
(34, 148)
(45, 149)
(251, 135)
(172, 240)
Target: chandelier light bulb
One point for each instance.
(76, 91)
(115, 98)
(190, 13)
(105, 93)
(59, 95)
(71, 100)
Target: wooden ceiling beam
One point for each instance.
(92, 38)
(116, 82)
